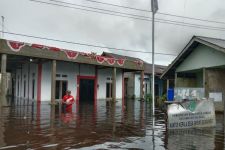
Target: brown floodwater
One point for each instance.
(27, 125)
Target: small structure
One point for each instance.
(43, 73)
(133, 80)
(201, 64)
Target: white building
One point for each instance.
(133, 79)
(44, 73)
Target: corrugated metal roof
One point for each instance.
(159, 69)
(218, 42)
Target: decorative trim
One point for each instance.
(37, 46)
(71, 54)
(120, 62)
(139, 63)
(110, 61)
(55, 49)
(100, 59)
(15, 46)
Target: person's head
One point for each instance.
(68, 92)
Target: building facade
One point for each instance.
(201, 64)
(44, 73)
(133, 80)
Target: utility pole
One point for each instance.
(154, 6)
(3, 20)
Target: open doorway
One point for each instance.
(156, 90)
(87, 87)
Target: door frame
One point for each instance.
(78, 86)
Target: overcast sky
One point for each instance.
(69, 24)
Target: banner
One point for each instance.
(188, 93)
(190, 114)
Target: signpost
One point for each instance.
(190, 114)
(154, 6)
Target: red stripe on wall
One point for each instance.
(78, 89)
(123, 90)
(39, 83)
(96, 84)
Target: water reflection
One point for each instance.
(106, 125)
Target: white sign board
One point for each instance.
(188, 93)
(191, 114)
(217, 96)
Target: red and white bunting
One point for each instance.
(100, 59)
(38, 46)
(55, 49)
(15, 46)
(139, 62)
(71, 54)
(85, 54)
(120, 62)
(110, 61)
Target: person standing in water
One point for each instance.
(67, 102)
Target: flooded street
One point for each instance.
(104, 126)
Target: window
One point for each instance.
(109, 79)
(64, 76)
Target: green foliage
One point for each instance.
(149, 97)
(163, 98)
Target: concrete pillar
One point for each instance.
(53, 81)
(114, 84)
(142, 85)
(167, 84)
(203, 80)
(3, 63)
(3, 101)
(175, 81)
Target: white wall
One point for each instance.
(103, 74)
(87, 70)
(72, 70)
(46, 82)
(33, 75)
(137, 85)
(25, 71)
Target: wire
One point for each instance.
(37, 1)
(161, 13)
(135, 17)
(132, 8)
(85, 44)
(97, 8)
(198, 19)
(128, 13)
